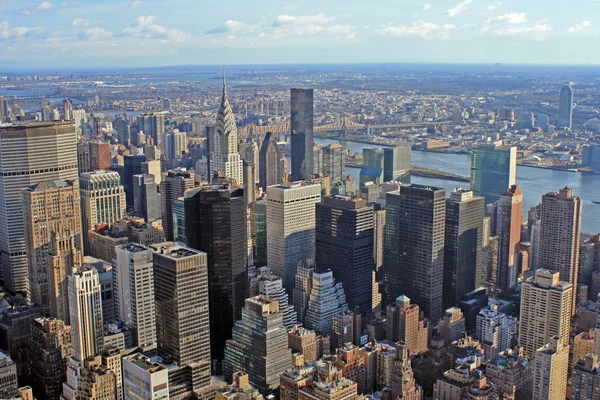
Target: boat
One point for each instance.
(596, 202)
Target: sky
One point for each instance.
(116, 34)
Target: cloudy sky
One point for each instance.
(131, 33)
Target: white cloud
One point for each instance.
(286, 19)
(453, 11)
(44, 5)
(233, 27)
(580, 27)
(418, 28)
(135, 3)
(426, 7)
(146, 27)
(512, 18)
(7, 32)
(97, 34)
(538, 27)
(516, 24)
(78, 22)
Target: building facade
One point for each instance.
(493, 170)
(302, 133)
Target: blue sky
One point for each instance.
(131, 33)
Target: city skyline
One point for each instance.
(93, 34)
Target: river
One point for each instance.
(534, 182)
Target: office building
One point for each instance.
(326, 299)
(100, 157)
(303, 341)
(302, 133)
(67, 109)
(15, 332)
(249, 172)
(173, 186)
(511, 372)
(144, 379)
(215, 218)
(8, 377)
(102, 201)
(240, 389)
(546, 305)
(52, 220)
(111, 360)
(403, 384)
(132, 166)
(146, 199)
(493, 170)
(259, 345)
(291, 227)
(334, 162)
(463, 245)
(404, 324)
(264, 282)
(321, 380)
(560, 235)
(346, 329)
(509, 223)
(85, 306)
(30, 154)
(493, 331)
(178, 220)
(90, 381)
(565, 108)
(176, 144)
(270, 172)
(303, 288)
(225, 158)
(133, 287)
(585, 379)
(344, 244)
(153, 125)
(48, 349)
(397, 161)
(550, 370)
(83, 157)
(583, 344)
(452, 325)
(414, 247)
(260, 232)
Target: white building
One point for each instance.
(327, 299)
(493, 331)
(144, 379)
(266, 283)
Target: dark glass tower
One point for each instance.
(302, 133)
(215, 222)
(493, 170)
(565, 108)
(463, 246)
(132, 166)
(344, 244)
(146, 200)
(414, 247)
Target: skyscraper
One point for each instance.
(176, 144)
(153, 125)
(270, 172)
(182, 323)
(67, 110)
(493, 170)
(29, 154)
(396, 162)
(102, 200)
(133, 166)
(133, 286)
(52, 219)
(560, 233)
(585, 379)
(509, 221)
(173, 185)
(326, 300)
(259, 345)
(226, 158)
(493, 331)
(215, 218)
(404, 324)
(463, 245)
(334, 162)
(344, 244)
(302, 133)
(99, 155)
(4, 108)
(404, 385)
(144, 378)
(291, 227)
(146, 199)
(414, 247)
(565, 108)
(263, 282)
(551, 369)
(545, 310)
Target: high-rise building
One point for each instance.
(493, 331)
(346, 329)
(4, 108)
(404, 385)
(90, 380)
(249, 172)
(15, 332)
(176, 144)
(404, 324)
(264, 282)
(303, 341)
(67, 110)
(83, 157)
(493, 170)
(565, 108)
(326, 300)
(259, 345)
(29, 154)
(583, 344)
(259, 231)
(270, 172)
(321, 380)
(48, 350)
(511, 372)
(463, 245)
(550, 370)
(303, 288)
(153, 125)
(52, 220)
(179, 220)
(215, 218)
(226, 158)
(102, 201)
(8, 377)
(302, 133)
(144, 379)
(146, 199)
(132, 166)
(99, 155)
(452, 325)
(133, 286)
(397, 161)
(546, 305)
(585, 379)
(509, 222)
(344, 244)
(378, 245)
(560, 234)
(291, 227)
(173, 186)
(414, 247)
(334, 162)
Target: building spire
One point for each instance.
(224, 79)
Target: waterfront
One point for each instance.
(534, 182)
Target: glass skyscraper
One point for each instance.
(565, 108)
(493, 170)
(302, 133)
